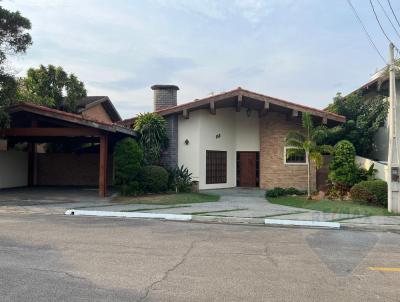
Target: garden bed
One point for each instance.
(168, 199)
(331, 206)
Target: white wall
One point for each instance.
(381, 168)
(236, 130)
(13, 169)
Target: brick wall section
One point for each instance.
(273, 172)
(98, 113)
(169, 158)
(164, 98)
(70, 169)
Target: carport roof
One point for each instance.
(70, 117)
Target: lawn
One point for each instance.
(331, 206)
(168, 199)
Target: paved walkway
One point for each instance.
(235, 202)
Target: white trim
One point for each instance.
(324, 224)
(292, 164)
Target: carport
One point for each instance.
(34, 124)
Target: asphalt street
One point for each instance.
(58, 258)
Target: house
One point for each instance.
(236, 138)
(24, 163)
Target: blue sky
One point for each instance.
(300, 50)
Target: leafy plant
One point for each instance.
(307, 142)
(153, 136)
(127, 161)
(182, 179)
(343, 169)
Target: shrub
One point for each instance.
(153, 179)
(294, 191)
(127, 158)
(343, 169)
(371, 191)
(275, 192)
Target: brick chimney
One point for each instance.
(165, 96)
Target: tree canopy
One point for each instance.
(364, 117)
(14, 39)
(51, 86)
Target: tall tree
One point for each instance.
(153, 136)
(51, 86)
(363, 115)
(301, 142)
(14, 39)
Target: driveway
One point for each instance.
(51, 199)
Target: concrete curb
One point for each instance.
(129, 215)
(371, 227)
(303, 223)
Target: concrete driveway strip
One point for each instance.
(55, 258)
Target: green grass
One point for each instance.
(331, 206)
(219, 211)
(168, 199)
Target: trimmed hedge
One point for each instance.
(371, 191)
(277, 192)
(153, 179)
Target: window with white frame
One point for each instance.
(294, 156)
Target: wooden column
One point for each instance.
(103, 166)
(32, 162)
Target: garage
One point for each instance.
(49, 147)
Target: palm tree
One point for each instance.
(306, 142)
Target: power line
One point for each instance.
(366, 31)
(387, 16)
(391, 8)
(379, 22)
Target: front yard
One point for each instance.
(168, 199)
(331, 206)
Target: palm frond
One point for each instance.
(294, 139)
(317, 158)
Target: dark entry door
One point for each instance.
(248, 169)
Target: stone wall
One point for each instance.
(169, 158)
(273, 171)
(70, 169)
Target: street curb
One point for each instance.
(303, 223)
(128, 215)
(371, 227)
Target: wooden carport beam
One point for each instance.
(239, 103)
(185, 114)
(265, 109)
(67, 132)
(212, 107)
(103, 165)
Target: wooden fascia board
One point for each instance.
(51, 132)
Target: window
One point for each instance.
(294, 156)
(215, 167)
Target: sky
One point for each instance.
(304, 51)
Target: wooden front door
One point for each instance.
(247, 166)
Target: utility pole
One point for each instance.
(394, 143)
